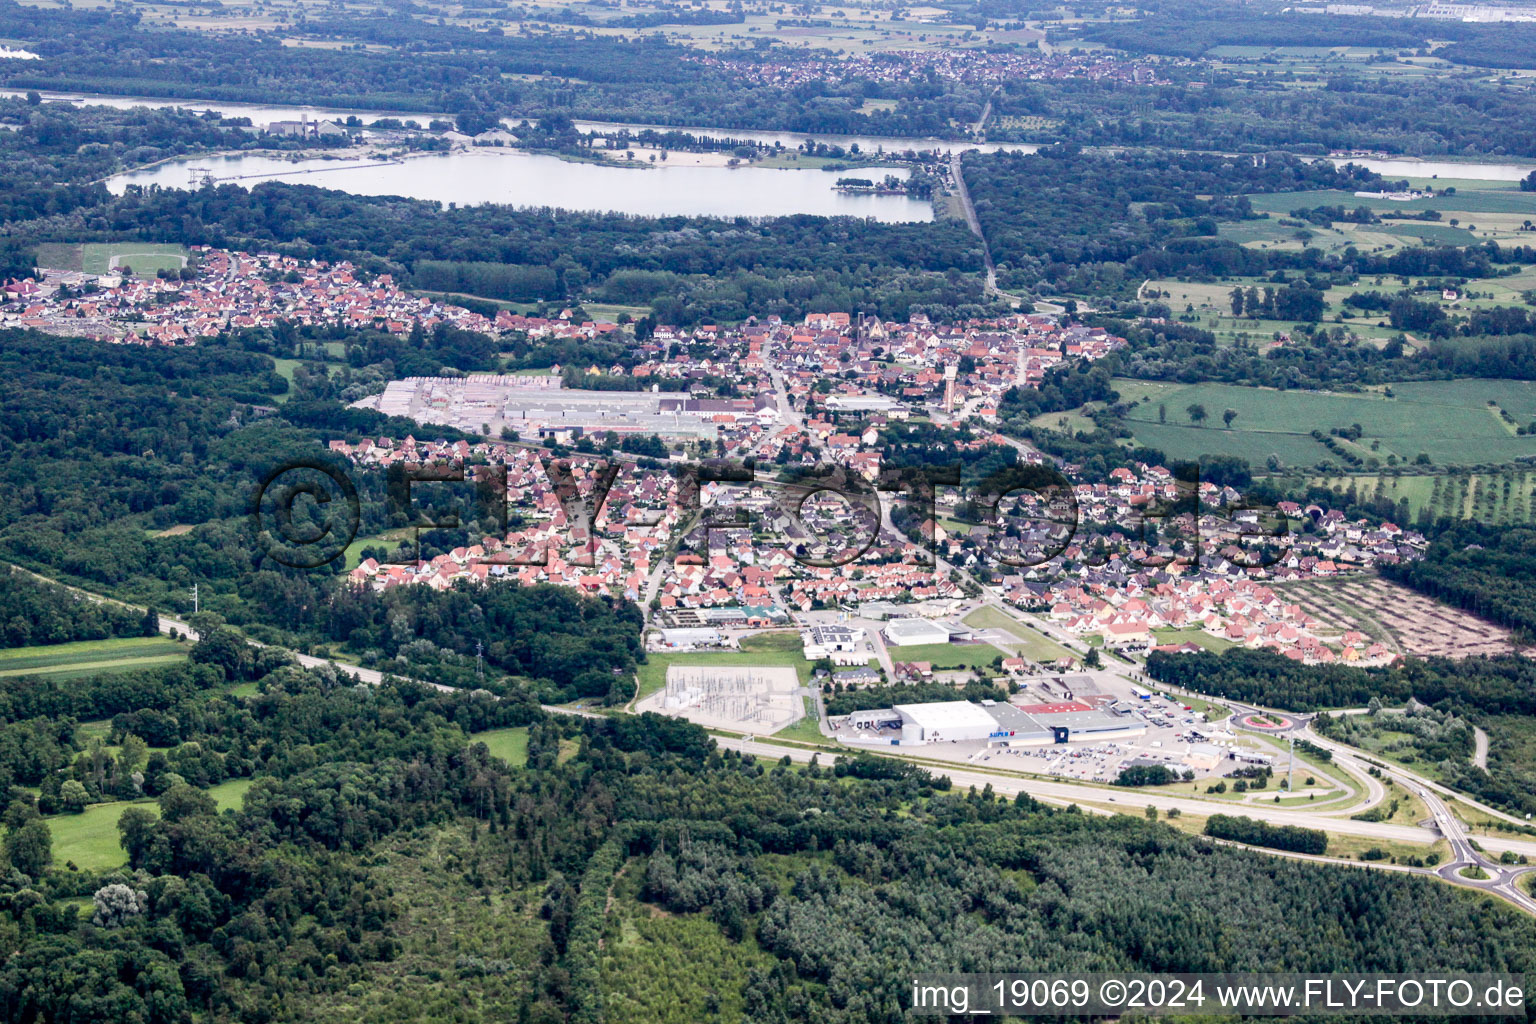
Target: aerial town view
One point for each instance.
(644, 512)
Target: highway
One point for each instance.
(1502, 881)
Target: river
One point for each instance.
(518, 178)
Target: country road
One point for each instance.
(1502, 881)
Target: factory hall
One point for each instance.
(994, 722)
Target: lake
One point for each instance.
(261, 114)
(518, 178)
(265, 113)
(1413, 167)
(792, 140)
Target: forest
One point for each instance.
(1501, 685)
(33, 612)
(1257, 833)
(1100, 224)
(802, 894)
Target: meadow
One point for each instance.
(1454, 423)
(510, 744)
(144, 258)
(1028, 643)
(89, 840)
(948, 656)
(91, 657)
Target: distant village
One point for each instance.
(954, 65)
(232, 290)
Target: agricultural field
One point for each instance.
(1452, 422)
(1506, 497)
(91, 657)
(1404, 620)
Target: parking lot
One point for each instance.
(1173, 732)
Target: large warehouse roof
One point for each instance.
(916, 631)
(947, 715)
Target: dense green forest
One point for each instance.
(1258, 833)
(32, 612)
(688, 269)
(386, 865)
(104, 447)
(1502, 685)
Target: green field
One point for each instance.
(143, 257)
(89, 840)
(1451, 421)
(1031, 645)
(1209, 641)
(764, 649)
(948, 656)
(99, 257)
(91, 657)
(806, 729)
(511, 745)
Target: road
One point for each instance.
(1502, 881)
(964, 195)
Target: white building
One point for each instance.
(957, 720)
(829, 641)
(911, 632)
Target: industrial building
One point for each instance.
(539, 406)
(950, 720)
(999, 724)
(914, 632)
(693, 638)
(829, 641)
